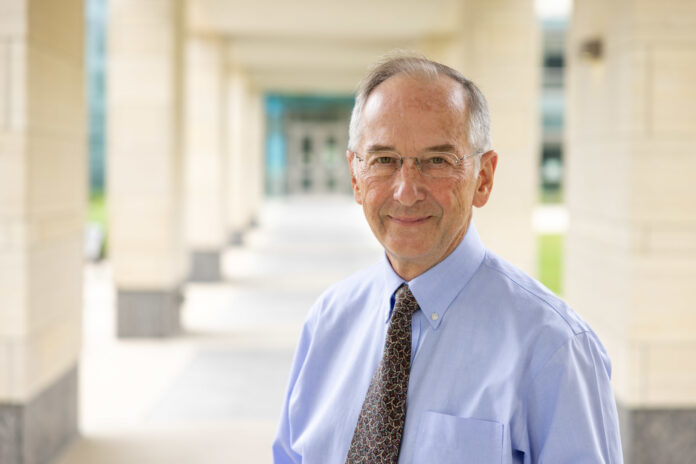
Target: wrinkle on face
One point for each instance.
(419, 220)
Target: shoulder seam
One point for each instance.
(535, 295)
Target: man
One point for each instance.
(443, 352)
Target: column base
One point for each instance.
(667, 436)
(149, 313)
(36, 432)
(205, 266)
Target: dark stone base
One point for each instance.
(36, 432)
(205, 266)
(148, 313)
(235, 238)
(665, 436)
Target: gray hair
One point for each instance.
(479, 120)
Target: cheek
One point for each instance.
(374, 193)
(455, 197)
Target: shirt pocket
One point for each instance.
(446, 439)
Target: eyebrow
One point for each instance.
(378, 147)
(444, 148)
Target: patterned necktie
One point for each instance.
(377, 436)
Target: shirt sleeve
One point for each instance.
(571, 412)
(283, 452)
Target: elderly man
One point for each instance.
(443, 352)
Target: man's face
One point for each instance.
(418, 219)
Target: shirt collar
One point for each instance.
(392, 282)
(436, 289)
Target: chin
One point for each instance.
(409, 252)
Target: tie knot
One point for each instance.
(405, 301)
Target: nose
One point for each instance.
(408, 183)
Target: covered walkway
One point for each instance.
(185, 86)
(213, 394)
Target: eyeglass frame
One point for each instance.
(417, 159)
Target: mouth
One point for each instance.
(409, 221)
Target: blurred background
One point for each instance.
(174, 195)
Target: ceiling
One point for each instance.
(319, 46)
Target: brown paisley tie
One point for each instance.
(377, 436)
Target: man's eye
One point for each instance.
(384, 160)
(439, 160)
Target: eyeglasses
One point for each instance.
(433, 164)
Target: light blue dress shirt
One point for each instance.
(502, 370)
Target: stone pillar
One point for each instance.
(240, 164)
(498, 47)
(144, 164)
(631, 247)
(257, 151)
(204, 163)
(43, 194)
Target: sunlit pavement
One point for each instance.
(213, 394)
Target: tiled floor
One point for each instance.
(213, 394)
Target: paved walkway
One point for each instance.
(213, 394)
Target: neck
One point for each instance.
(405, 271)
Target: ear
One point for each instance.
(353, 181)
(484, 185)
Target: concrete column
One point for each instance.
(43, 194)
(498, 47)
(240, 162)
(631, 247)
(257, 151)
(204, 162)
(144, 164)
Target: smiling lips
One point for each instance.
(409, 221)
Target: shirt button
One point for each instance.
(434, 316)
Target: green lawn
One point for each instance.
(550, 196)
(96, 213)
(550, 248)
(96, 210)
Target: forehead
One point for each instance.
(415, 107)
(420, 92)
